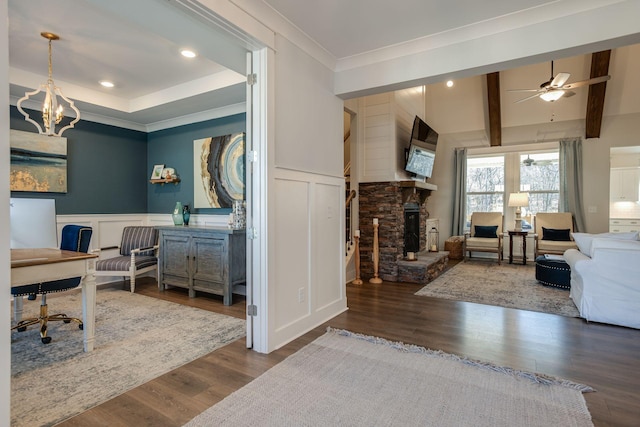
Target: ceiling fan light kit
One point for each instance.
(52, 107)
(552, 95)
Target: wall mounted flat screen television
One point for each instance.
(422, 150)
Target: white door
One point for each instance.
(256, 193)
(249, 161)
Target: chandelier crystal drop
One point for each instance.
(52, 107)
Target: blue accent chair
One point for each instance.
(74, 238)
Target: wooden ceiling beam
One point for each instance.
(493, 103)
(595, 99)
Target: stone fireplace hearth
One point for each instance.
(394, 203)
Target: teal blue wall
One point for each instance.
(108, 168)
(174, 148)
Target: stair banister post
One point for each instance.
(376, 254)
(356, 237)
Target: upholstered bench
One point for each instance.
(553, 271)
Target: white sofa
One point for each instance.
(605, 277)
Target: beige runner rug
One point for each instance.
(347, 379)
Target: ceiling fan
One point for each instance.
(555, 88)
(529, 161)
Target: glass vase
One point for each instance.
(177, 214)
(186, 214)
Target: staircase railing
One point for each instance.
(349, 217)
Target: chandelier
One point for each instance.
(52, 107)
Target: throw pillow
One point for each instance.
(583, 240)
(618, 246)
(561, 235)
(488, 231)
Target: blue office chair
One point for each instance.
(74, 238)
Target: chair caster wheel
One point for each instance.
(22, 329)
(46, 340)
(31, 297)
(81, 326)
(67, 320)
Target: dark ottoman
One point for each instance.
(553, 272)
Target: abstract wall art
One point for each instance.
(218, 171)
(38, 162)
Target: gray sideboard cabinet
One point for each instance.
(206, 259)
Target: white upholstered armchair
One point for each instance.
(553, 233)
(485, 234)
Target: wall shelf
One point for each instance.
(165, 181)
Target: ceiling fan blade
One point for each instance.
(527, 98)
(523, 90)
(543, 163)
(560, 79)
(593, 81)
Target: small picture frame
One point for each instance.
(157, 172)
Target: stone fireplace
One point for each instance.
(401, 210)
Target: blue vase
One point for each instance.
(186, 214)
(177, 214)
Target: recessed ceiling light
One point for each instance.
(106, 83)
(188, 53)
(449, 83)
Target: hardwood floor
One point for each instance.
(602, 356)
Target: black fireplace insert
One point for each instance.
(411, 228)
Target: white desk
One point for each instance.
(30, 266)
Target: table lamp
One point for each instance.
(518, 200)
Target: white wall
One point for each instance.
(308, 116)
(376, 153)
(306, 276)
(384, 126)
(5, 267)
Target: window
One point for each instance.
(540, 176)
(485, 184)
(491, 177)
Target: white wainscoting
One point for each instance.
(308, 272)
(107, 230)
